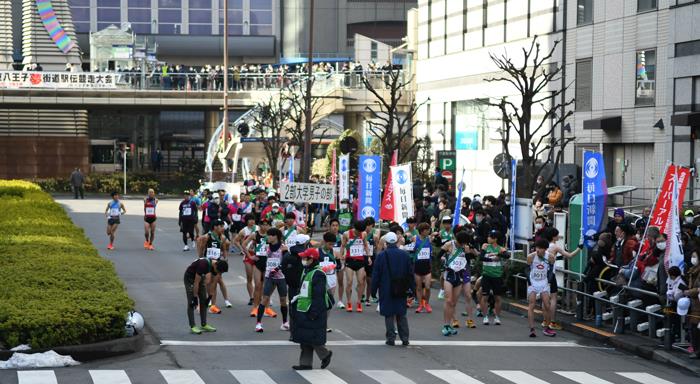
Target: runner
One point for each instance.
(538, 285)
(423, 267)
(115, 209)
(339, 265)
(442, 237)
(409, 246)
(197, 278)
(371, 235)
(345, 216)
(259, 240)
(274, 279)
(198, 201)
(551, 235)
(455, 267)
(492, 256)
(328, 257)
(149, 218)
(355, 248)
(248, 262)
(187, 219)
(300, 217)
(289, 231)
(211, 212)
(214, 246)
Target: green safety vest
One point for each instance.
(304, 300)
(347, 217)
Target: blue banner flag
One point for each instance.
(513, 194)
(370, 182)
(291, 169)
(595, 192)
(458, 203)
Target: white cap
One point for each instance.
(390, 238)
(683, 306)
(302, 239)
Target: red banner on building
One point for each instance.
(662, 210)
(387, 210)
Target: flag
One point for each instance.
(513, 189)
(403, 193)
(370, 178)
(387, 210)
(344, 181)
(595, 192)
(662, 208)
(291, 169)
(674, 247)
(333, 177)
(458, 203)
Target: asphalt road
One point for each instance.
(236, 354)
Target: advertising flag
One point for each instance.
(369, 182)
(513, 189)
(344, 180)
(662, 209)
(595, 192)
(333, 180)
(458, 203)
(674, 248)
(387, 211)
(403, 193)
(291, 169)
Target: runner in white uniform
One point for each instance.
(247, 253)
(538, 284)
(552, 236)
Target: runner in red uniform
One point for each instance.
(149, 218)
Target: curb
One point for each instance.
(647, 350)
(94, 351)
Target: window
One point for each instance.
(645, 91)
(261, 17)
(200, 17)
(139, 15)
(696, 94)
(470, 124)
(645, 5)
(584, 12)
(235, 17)
(688, 48)
(373, 50)
(584, 80)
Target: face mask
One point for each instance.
(538, 226)
(694, 260)
(478, 219)
(306, 262)
(689, 219)
(661, 246)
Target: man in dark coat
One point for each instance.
(392, 263)
(292, 269)
(311, 313)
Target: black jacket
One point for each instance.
(309, 327)
(291, 266)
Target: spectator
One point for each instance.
(538, 209)
(539, 190)
(643, 221)
(596, 264)
(555, 195)
(675, 287)
(76, 183)
(693, 292)
(625, 245)
(618, 219)
(440, 179)
(38, 67)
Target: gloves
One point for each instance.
(580, 246)
(195, 302)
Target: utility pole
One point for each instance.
(224, 131)
(307, 129)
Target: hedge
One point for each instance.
(56, 289)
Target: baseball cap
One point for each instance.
(275, 205)
(302, 239)
(447, 219)
(494, 234)
(390, 238)
(310, 253)
(683, 306)
(688, 212)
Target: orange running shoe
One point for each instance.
(359, 307)
(150, 247)
(214, 310)
(110, 247)
(254, 312)
(348, 308)
(145, 245)
(270, 313)
(428, 308)
(420, 308)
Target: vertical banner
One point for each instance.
(662, 209)
(333, 181)
(403, 193)
(291, 169)
(513, 189)
(387, 210)
(674, 248)
(447, 162)
(344, 180)
(458, 203)
(595, 192)
(370, 181)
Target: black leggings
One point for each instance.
(187, 229)
(189, 290)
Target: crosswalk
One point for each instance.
(184, 376)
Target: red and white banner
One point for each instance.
(674, 246)
(664, 203)
(387, 210)
(333, 177)
(58, 80)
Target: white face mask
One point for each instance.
(538, 226)
(661, 246)
(689, 219)
(694, 260)
(306, 262)
(343, 206)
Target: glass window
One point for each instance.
(688, 48)
(646, 77)
(169, 4)
(82, 27)
(373, 50)
(80, 14)
(584, 79)
(261, 17)
(233, 29)
(79, 3)
(139, 3)
(108, 3)
(200, 29)
(261, 4)
(139, 15)
(169, 16)
(645, 5)
(109, 15)
(234, 17)
(169, 29)
(584, 12)
(259, 30)
(200, 4)
(232, 4)
(141, 28)
(470, 124)
(200, 17)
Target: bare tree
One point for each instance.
(270, 122)
(538, 145)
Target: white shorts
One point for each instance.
(537, 289)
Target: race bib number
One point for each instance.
(357, 250)
(410, 247)
(539, 274)
(213, 253)
(336, 250)
(304, 290)
(291, 241)
(261, 250)
(458, 264)
(187, 211)
(424, 254)
(272, 264)
(344, 222)
(150, 211)
(371, 249)
(236, 217)
(114, 212)
(331, 281)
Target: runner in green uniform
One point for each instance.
(492, 256)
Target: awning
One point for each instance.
(686, 119)
(610, 123)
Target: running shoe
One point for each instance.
(150, 247)
(145, 245)
(285, 327)
(348, 308)
(340, 305)
(228, 304)
(420, 308)
(250, 302)
(208, 328)
(453, 331)
(497, 320)
(470, 323)
(455, 324)
(359, 307)
(270, 313)
(258, 328)
(486, 320)
(532, 332)
(428, 308)
(110, 247)
(214, 310)
(196, 330)
(478, 313)
(446, 330)
(555, 326)
(441, 294)
(549, 332)
(254, 312)
(544, 324)
(374, 300)
(368, 303)
(185, 248)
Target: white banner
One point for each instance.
(307, 192)
(674, 246)
(344, 177)
(403, 193)
(65, 80)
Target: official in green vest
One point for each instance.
(311, 313)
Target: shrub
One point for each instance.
(56, 289)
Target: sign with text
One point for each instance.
(307, 193)
(344, 177)
(447, 162)
(370, 182)
(595, 192)
(403, 193)
(66, 80)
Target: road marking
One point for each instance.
(321, 376)
(36, 377)
(594, 330)
(252, 377)
(643, 378)
(388, 377)
(183, 376)
(453, 376)
(519, 377)
(353, 343)
(582, 377)
(109, 377)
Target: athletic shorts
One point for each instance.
(270, 285)
(187, 226)
(149, 220)
(422, 267)
(355, 264)
(454, 278)
(369, 268)
(553, 285)
(537, 289)
(261, 264)
(466, 276)
(248, 260)
(114, 221)
(494, 284)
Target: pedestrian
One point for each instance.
(187, 219)
(274, 279)
(392, 278)
(115, 209)
(76, 182)
(214, 246)
(693, 293)
(311, 313)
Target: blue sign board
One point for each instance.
(369, 186)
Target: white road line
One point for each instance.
(321, 376)
(519, 377)
(644, 378)
(350, 343)
(582, 377)
(182, 376)
(252, 377)
(453, 376)
(388, 377)
(109, 377)
(36, 377)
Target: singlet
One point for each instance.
(355, 247)
(261, 247)
(549, 251)
(338, 244)
(188, 209)
(492, 268)
(273, 264)
(115, 209)
(149, 207)
(214, 246)
(457, 260)
(445, 236)
(538, 271)
(345, 220)
(422, 249)
(300, 218)
(289, 236)
(410, 245)
(370, 243)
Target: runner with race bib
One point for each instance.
(274, 278)
(355, 248)
(149, 218)
(538, 285)
(115, 209)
